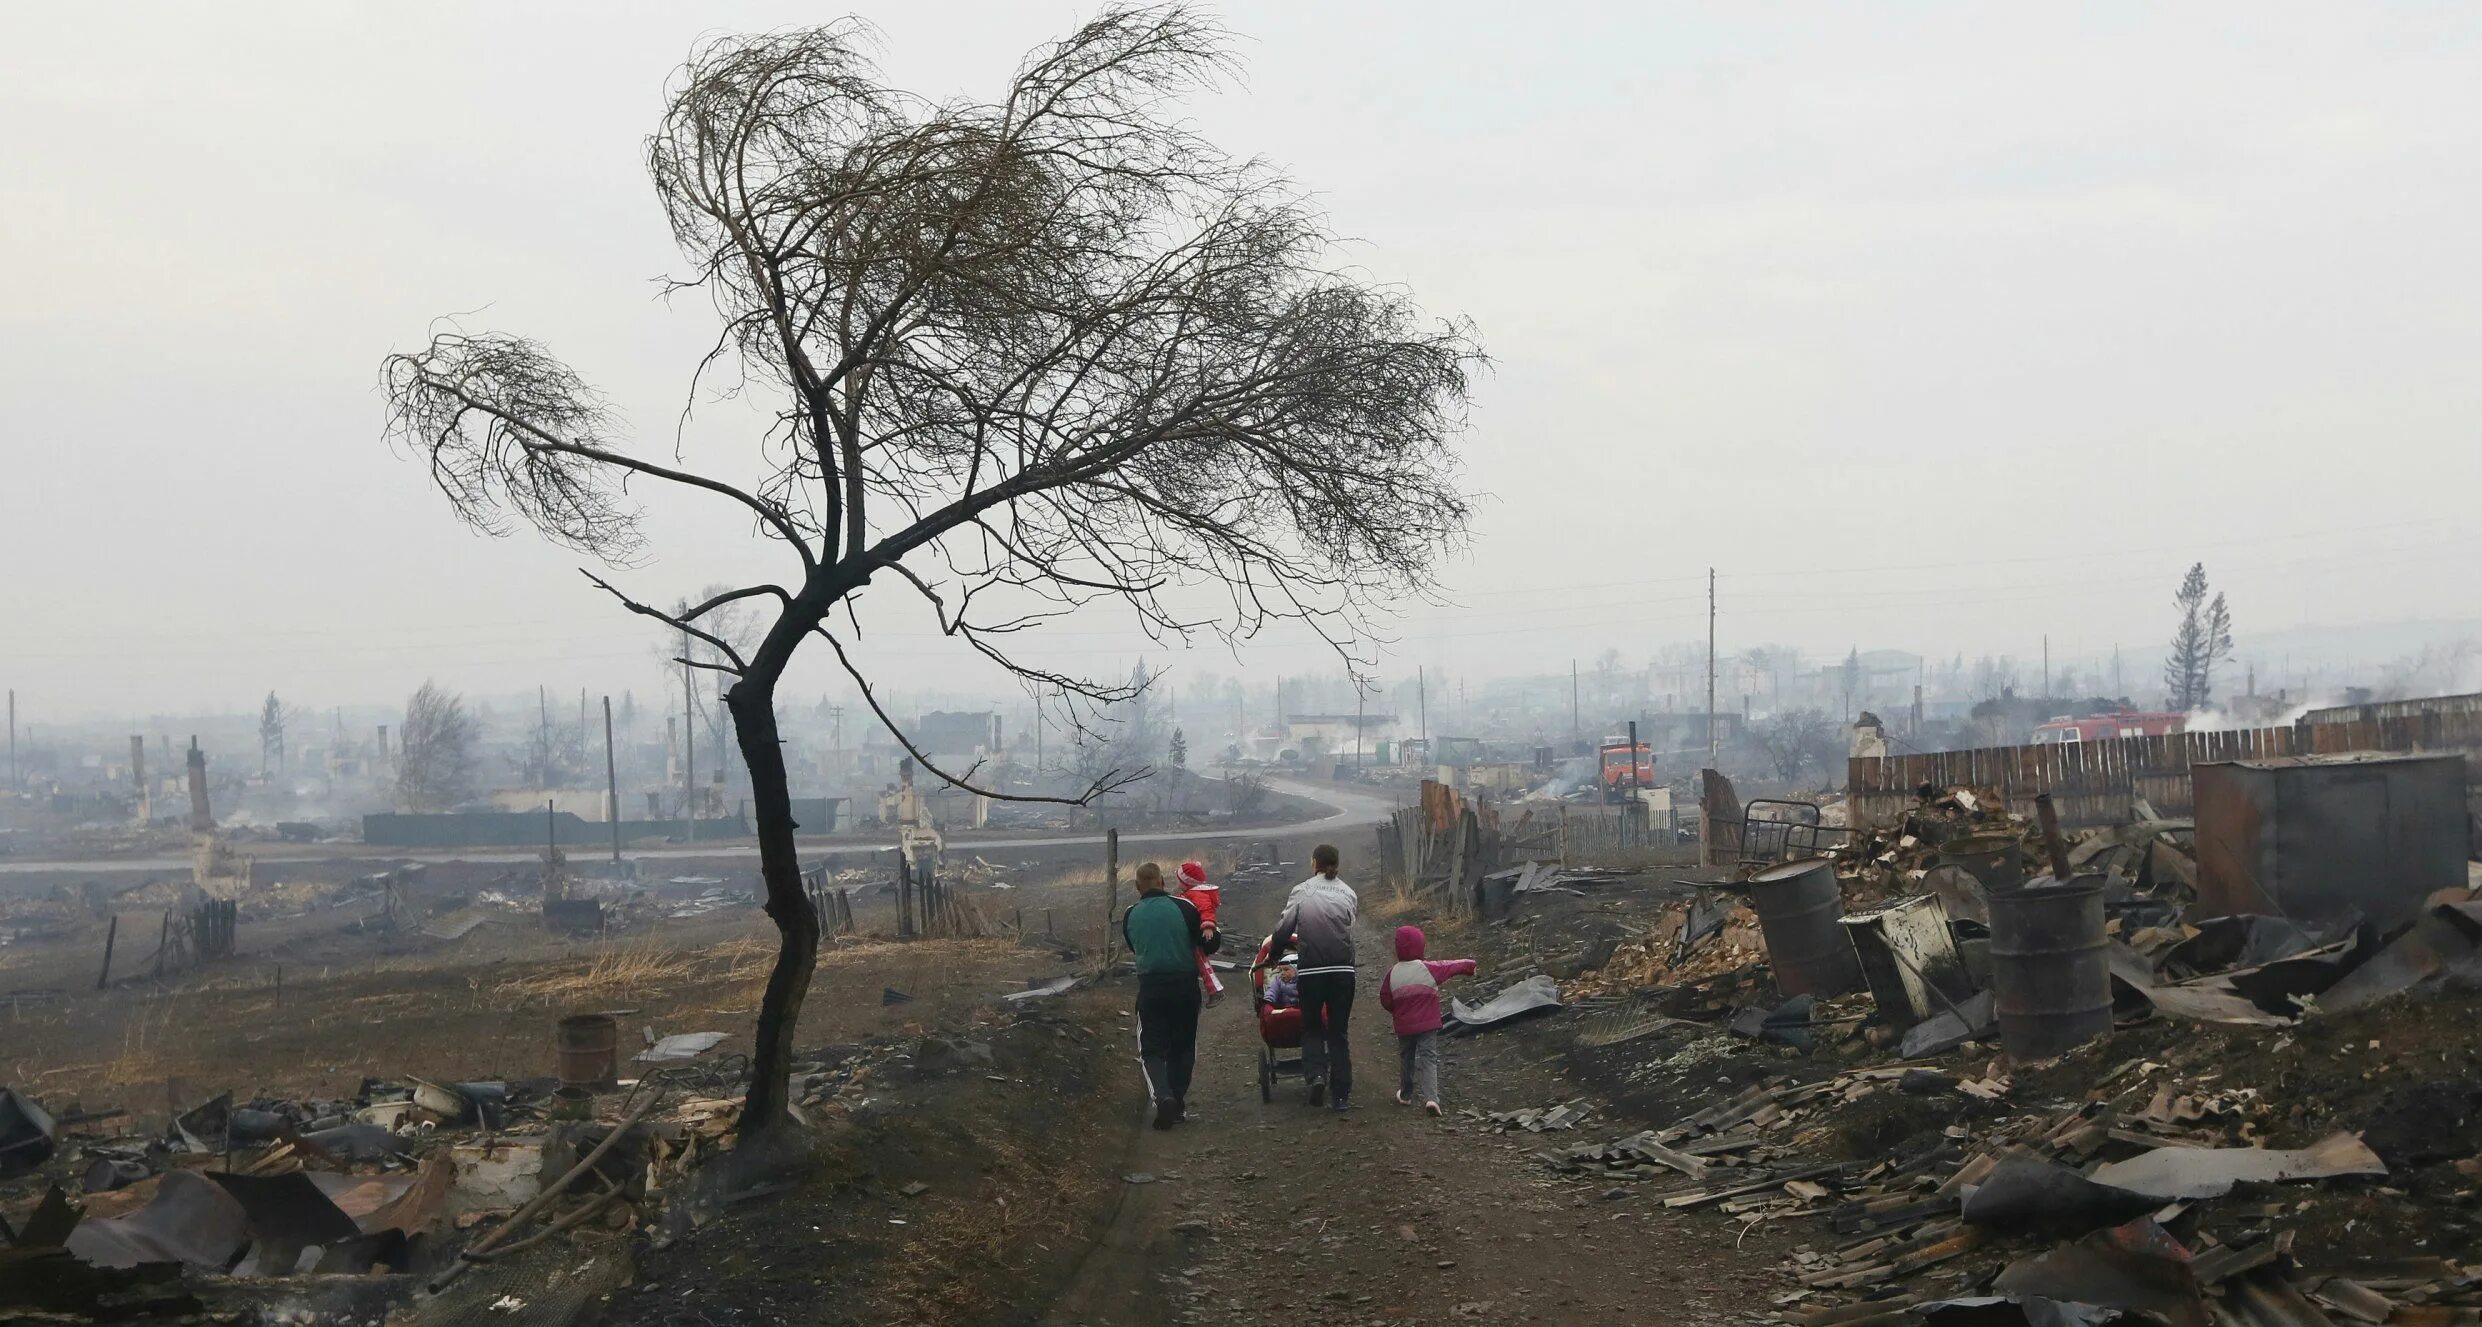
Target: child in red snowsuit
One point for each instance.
(1206, 899)
(1410, 992)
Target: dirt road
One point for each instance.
(1281, 1213)
(1347, 809)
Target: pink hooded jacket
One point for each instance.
(1410, 991)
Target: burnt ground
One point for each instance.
(1024, 1190)
(948, 1195)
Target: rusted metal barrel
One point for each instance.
(1997, 860)
(589, 1050)
(2050, 970)
(1799, 910)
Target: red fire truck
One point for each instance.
(1617, 783)
(2103, 727)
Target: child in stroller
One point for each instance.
(1277, 1004)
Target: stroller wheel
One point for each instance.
(1266, 1075)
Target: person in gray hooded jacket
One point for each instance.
(1318, 924)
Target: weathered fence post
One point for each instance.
(1111, 893)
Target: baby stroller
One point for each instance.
(1279, 1027)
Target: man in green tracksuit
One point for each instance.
(1166, 936)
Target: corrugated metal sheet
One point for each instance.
(2092, 783)
(2396, 709)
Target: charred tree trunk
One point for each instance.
(752, 701)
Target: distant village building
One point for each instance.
(2103, 727)
(1338, 736)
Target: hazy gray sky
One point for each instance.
(1932, 327)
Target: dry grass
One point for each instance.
(1396, 907)
(616, 974)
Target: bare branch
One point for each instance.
(541, 449)
(682, 623)
(731, 596)
(1107, 783)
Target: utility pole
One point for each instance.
(1710, 668)
(1357, 723)
(689, 745)
(2046, 667)
(1576, 726)
(1422, 702)
(611, 780)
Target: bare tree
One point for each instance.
(1023, 354)
(435, 751)
(1797, 739)
(1249, 793)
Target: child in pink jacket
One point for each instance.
(1410, 992)
(1206, 898)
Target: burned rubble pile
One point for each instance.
(1991, 1094)
(518, 1199)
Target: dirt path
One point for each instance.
(1280, 1213)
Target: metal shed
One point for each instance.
(2318, 839)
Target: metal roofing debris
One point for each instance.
(2137, 1266)
(679, 1046)
(1709, 909)
(1787, 1024)
(2445, 942)
(455, 926)
(2046, 1197)
(285, 1215)
(2000, 1310)
(190, 1219)
(2210, 1172)
(1619, 1025)
(1973, 1017)
(1533, 995)
(1056, 986)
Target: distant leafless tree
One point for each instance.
(1798, 739)
(1249, 793)
(436, 752)
(1022, 354)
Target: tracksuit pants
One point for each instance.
(1168, 1033)
(1326, 1049)
(1417, 1058)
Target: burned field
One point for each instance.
(354, 1108)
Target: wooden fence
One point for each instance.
(2092, 783)
(1441, 849)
